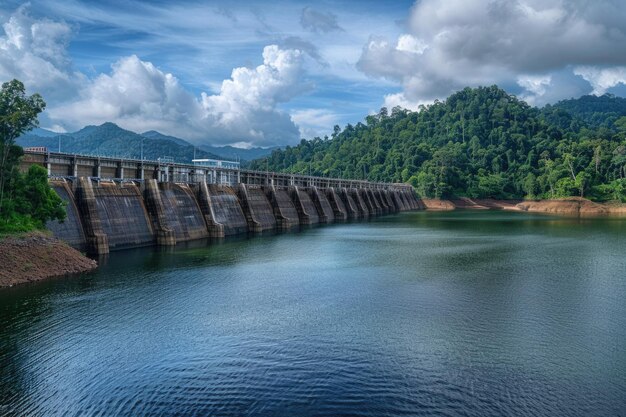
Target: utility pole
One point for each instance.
(59, 143)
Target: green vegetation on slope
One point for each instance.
(480, 142)
(111, 140)
(26, 200)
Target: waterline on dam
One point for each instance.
(429, 313)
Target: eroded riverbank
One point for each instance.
(35, 256)
(575, 206)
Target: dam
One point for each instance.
(114, 204)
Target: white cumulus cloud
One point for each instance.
(246, 103)
(35, 52)
(399, 99)
(408, 43)
(314, 122)
(451, 44)
(138, 96)
(601, 79)
(535, 86)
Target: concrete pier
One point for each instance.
(257, 208)
(339, 209)
(307, 212)
(381, 202)
(350, 204)
(215, 228)
(97, 241)
(322, 205)
(284, 209)
(360, 204)
(395, 195)
(369, 204)
(227, 209)
(163, 232)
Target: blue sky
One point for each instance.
(258, 73)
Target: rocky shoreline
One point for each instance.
(35, 256)
(573, 206)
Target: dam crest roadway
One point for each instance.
(117, 203)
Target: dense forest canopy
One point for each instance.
(480, 142)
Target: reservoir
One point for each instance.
(419, 313)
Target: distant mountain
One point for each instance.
(232, 153)
(226, 152)
(44, 133)
(111, 140)
(153, 134)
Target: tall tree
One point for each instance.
(18, 114)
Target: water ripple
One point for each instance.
(447, 314)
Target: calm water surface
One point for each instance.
(462, 313)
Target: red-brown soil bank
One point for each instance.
(34, 257)
(569, 206)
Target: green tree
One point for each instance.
(18, 114)
(530, 185)
(479, 142)
(36, 199)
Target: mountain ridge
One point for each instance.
(111, 140)
(108, 139)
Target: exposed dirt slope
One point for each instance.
(35, 256)
(569, 206)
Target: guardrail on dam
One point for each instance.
(115, 203)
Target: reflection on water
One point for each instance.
(460, 313)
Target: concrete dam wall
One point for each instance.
(111, 215)
(306, 209)
(226, 209)
(182, 212)
(71, 230)
(285, 211)
(122, 214)
(350, 205)
(339, 208)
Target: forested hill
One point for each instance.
(480, 142)
(594, 111)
